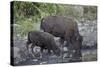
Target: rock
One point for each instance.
(35, 60)
(65, 49)
(43, 62)
(88, 30)
(17, 56)
(65, 55)
(16, 52)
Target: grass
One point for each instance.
(90, 56)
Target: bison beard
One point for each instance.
(43, 40)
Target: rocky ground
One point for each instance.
(88, 29)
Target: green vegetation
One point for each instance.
(28, 14)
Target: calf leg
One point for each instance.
(61, 41)
(27, 44)
(31, 50)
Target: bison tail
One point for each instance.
(42, 24)
(28, 40)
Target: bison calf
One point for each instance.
(44, 40)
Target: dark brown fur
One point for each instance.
(43, 40)
(64, 27)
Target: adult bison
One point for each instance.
(44, 40)
(64, 27)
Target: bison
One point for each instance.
(64, 27)
(44, 40)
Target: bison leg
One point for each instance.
(61, 45)
(42, 50)
(69, 45)
(27, 44)
(31, 50)
(32, 46)
(77, 55)
(61, 41)
(49, 52)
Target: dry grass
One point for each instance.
(89, 56)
